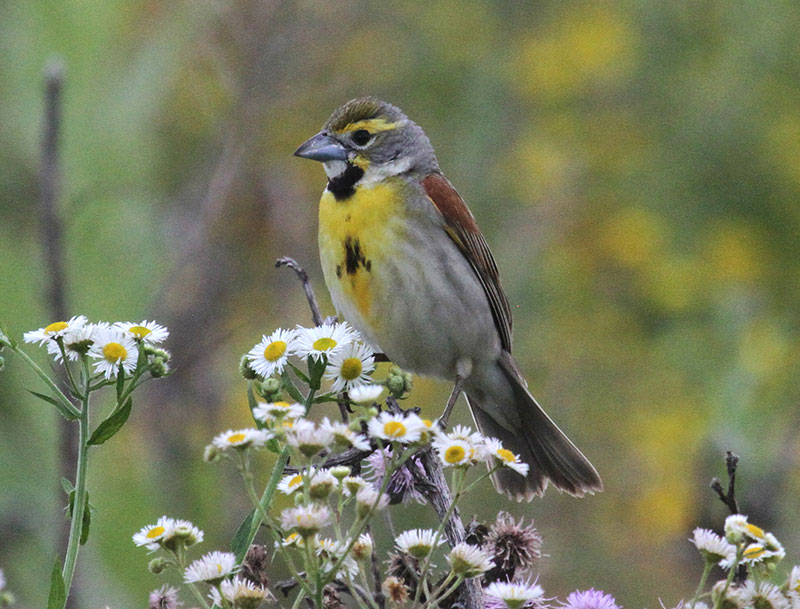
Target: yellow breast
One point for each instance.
(356, 236)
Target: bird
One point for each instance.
(407, 266)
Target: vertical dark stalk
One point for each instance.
(51, 236)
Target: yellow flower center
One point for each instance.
(754, 552)
(428, 423)
(113, 352)
(394, 429)
(219, 567)
(454, 454)
(326, 343)
(506, 455)
(296, 481)
(56, 326)
(281, 404)
(234, 438)
(274, 351)
(155, 532)
(755, 531)
(351, 368)
(139, 331)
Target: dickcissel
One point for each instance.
(407, 266)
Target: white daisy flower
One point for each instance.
(239, 592)
(54, 330)
(187, 532)
(152, 535)
(362, 548)
(352, 484)
(292, 540)
(494, 449)
(713, 547)
(764, 596)
(396, 427)
(462, 432)
(793, 584)
(309, 439)
(307, 520)
(350, 367)
(514, 595)
(468, 560)
(737, 527)
(365, 394)
(330, 551)
(455, 453)
(76, 342)
(211, 568)
(417, 542)
(367, 498)
(147, 331)
(289, 484)
(343, 436)
(322, 484)
(112, 348)
(271, 412)
(270, 355)
(241, 438)
(326, 339)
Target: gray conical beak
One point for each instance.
(323, 148)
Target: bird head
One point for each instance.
(372, 136)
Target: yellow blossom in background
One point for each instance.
(633, 236)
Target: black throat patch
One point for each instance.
(343, 185)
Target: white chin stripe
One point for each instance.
(334, 169)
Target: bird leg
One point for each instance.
(463, 370)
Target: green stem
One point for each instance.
(200, 598)
(79, 500)
(702, 584)
(731, 574)
(180, 560)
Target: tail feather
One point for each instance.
(503, 408)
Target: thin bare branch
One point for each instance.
(316, 316)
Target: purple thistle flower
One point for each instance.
(402, 484)
(590, 599)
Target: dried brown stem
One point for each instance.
(729, 497)
(316, 316)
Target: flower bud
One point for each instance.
(210, 453)
(340, 472)
(157, 565)
(398, 382)
(158, 368)
(245, 370)
(269, 389)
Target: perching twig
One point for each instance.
(729, 497)
(316, 316)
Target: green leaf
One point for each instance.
(317, 369)
(111, 425)
(241, 539)
(87, 520)
(58, 594)
(57, 403)
(290, 388)
(300, 374)
(273, 446)
(120, 382)
(67, 486)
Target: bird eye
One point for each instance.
(361, 137)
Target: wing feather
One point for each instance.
(464, 231)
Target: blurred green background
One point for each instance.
(635, 166)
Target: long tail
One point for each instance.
(503, 408)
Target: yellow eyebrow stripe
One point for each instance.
(373, 125)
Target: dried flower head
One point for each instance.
(255, 564)
(403, 485)
(395, 590)
(512, 547)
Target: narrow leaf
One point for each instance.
(290, 388)
(67, 486)
(87, 520)
(111, 425)
(120, 382)
(58, 594)
(241, 539)
(57, 403)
